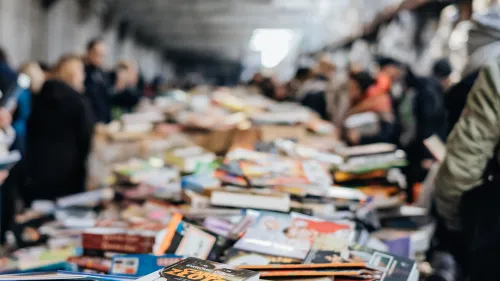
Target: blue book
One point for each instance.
(141, 264)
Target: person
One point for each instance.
(483, 44)
(97, 86)
(58, 135)
(23, 109)
(7, 75)
(428, 113)
(257, 78)
(126, 94)
(301, 76)
(313, 92)
(472, 143)
(365, 96)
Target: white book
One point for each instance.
(436, 147)
(251, 200)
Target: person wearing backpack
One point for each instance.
(468, 182)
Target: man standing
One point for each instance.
(97, 86)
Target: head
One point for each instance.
(303, 74)
(326, 67)
(358, 85)
(128, 71)
(70, 69)
(36, 74)
(96, 52)
(3, 56)
(391, 67)
(442, 71)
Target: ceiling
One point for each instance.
(223, 28)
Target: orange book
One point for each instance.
(303, 266)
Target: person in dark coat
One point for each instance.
(59, 135)
(97, 85)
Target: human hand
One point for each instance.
(5, 118)
(3, 176)
(427, 164)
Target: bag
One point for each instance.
(480, 214)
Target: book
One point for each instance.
(329, 240)
(89, 198)
(436, 146)
(268, 235)
(352, 273)
(191, 269)
(188, 158)
(64, 275)
(323, 266)
(394, 268)
(251, 199)
(368, 149)
(142, 264)
(200, 182)
(98, 264)
(237, 257)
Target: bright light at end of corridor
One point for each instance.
(273, 45)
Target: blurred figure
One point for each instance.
(313, 92)
(365, 96)
(7, 75)
(482, 46)
(59, 135)
(157, 85)
(257, 78)
(97, 87)
(23, 110)
(390, 76)
(46, 69)
(126, 94)
(267, 87)
(301, 76)
(467, 182)
(442, 70)
(430, 117)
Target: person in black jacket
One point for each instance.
(97, 85)
(430, 115)
(59, 135)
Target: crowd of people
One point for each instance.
(54, 122)
(409, 108)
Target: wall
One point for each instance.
(30, 32)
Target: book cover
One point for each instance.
(394, 268)
(140, 265)
(237, 257)
(192, 269)
(268, 235)
(436, 146)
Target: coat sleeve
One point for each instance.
(470, 145)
